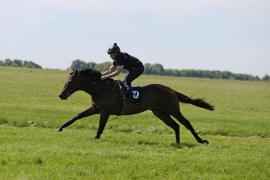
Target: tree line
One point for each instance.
(154, 69)
(19, 63)
(158, 69)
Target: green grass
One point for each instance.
(39, 153)
(132, 147)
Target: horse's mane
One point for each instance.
(93, 73)
(90, 72)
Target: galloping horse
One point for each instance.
(107, 100)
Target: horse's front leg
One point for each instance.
(102, 123)
(88, 112)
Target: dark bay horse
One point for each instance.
(107, 100)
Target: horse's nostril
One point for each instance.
(60, 96)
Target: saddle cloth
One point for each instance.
(135, 95)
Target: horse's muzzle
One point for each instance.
(61, 96)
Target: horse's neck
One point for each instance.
(100, 88)
(106, 86)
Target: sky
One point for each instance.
(229, 35)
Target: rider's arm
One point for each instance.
(110, 70)
(117, 70)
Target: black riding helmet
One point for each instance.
(114, 49)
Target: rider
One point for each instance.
(122, 61)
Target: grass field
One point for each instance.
(132, 147)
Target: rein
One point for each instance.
(122, 99)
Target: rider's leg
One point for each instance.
(133, 74)
(127, 85)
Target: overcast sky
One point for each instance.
(229, 35)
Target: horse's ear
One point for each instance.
(70, 71)
(73, 71)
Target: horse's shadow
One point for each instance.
(174, 145)
(158, 144)
(150, 143)
(184, 145)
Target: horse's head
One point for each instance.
(78, 80)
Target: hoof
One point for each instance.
(97, 137)
(60, 130)
(176, 145)
(205, 142)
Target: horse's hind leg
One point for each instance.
(170, 122)
(187, 124)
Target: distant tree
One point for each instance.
(17, 63)
(154, 69)
(266, 78)
(147, 68)
(80, 65)
(103, 66)
(158, 69)
(31, 64)
(8, 62)
(91, 65)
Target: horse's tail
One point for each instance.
(196, 102)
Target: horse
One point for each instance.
(107, 100)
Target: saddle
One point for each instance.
(134, 96)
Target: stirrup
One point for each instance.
(128, 93)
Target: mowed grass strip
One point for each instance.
(40, 153)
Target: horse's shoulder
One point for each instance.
(109, 82)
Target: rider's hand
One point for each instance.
(103, 77)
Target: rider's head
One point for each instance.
(114, 51)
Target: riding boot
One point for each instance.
(128, 92)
